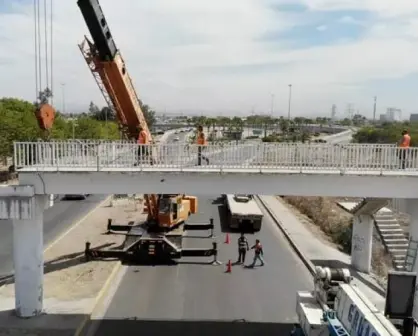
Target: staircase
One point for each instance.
(393, 237)
(391, 233)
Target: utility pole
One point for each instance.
(63, 97)
(290, 101)
(374, 109)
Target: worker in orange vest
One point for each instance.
(143, 148)
(201, 142)
(258, 253)
(404, 144)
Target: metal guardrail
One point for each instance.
(280, 156)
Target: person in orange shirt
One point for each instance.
(143, 151)
(404, 144)
(201, 141)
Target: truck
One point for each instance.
(243, 212)
(337, 306)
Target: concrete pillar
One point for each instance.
(361, 243)
(28, 261)
(412, 211)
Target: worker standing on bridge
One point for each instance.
(258, 253)
(201, 142)
(144, 153)
(404, 144)
(243, 247)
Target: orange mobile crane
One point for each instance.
(160, 237)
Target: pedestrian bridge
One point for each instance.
(109, 167)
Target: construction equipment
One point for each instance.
(160, 237)
(338, 307)
(243, 212)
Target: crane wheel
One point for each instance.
(45, 114)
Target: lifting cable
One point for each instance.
(43, 51)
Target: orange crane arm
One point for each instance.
(109, 70)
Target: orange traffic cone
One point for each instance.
(229, 267)
(227, 239)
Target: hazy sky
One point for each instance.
(231, 55)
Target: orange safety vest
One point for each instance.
(406, 141)
(143, 138)
(201, 139)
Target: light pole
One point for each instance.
(374, 109)
(63, 97)
(290, 101)
(73, 129)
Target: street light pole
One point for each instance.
(374, 109)
(63, 97)
(290, 101)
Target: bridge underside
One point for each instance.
(292, 184)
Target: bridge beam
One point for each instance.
(25, 209)
(361, 244)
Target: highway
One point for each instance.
(57, 220)
(201, 299)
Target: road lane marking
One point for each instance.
(105, 295)
(76, 224)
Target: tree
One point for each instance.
(149, 114)
(103, 114)
(93, 109)
(388, 133)
(359, 120)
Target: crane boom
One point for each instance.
(109, 70)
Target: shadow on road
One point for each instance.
(57, 264)
(355, 273)
(133, 326)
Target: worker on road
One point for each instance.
(201, 142)
(258, 253)
(243, 247)
(404, 144)
(144, 154)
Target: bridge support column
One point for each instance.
(361, 243)
(28, 260)
(19, 205)
(412, 211)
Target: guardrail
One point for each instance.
(287, 156)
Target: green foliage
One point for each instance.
(18, 123)
(388, 133)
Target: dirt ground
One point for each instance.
(329, 222)
(71, 284)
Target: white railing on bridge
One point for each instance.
(65, 155)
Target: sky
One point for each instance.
(229, 57)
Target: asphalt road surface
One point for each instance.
(201, 299)
(57, 220)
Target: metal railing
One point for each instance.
(279, 156)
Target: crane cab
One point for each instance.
(175, 209)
